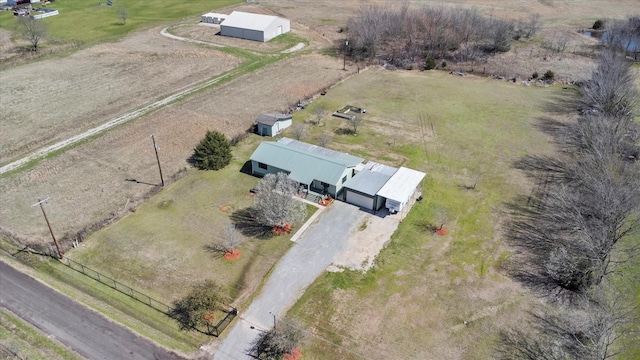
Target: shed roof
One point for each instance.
(244, 20)
(217, 15)
(371, 178)
(303, 165)
(272, 118)
(402, 184)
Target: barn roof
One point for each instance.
(305, 162)
(371, 178)
(402, 184)
(239, 19)
(272, 118)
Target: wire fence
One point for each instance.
(118, 286)
(214, 330)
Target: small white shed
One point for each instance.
(213, 18)
(400, 188)
(273, 123)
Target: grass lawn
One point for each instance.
(19, 340)
(93, 21)
(161, 249)
(430, 296)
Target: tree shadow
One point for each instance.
(247, 225)
(215, 250)
(343, 131)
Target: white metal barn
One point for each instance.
(254, 26)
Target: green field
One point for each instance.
(413, 303)
(91, 22)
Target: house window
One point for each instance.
(262, 166)
(344, 179)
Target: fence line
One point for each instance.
(215, 330)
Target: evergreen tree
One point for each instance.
(212, 153)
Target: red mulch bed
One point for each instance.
(232, 255)
(294, 355)
(281, 230)
(442, 231)
(326, 202)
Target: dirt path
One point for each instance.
(43, 152)
(115, 122)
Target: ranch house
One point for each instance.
(319, 170)
(273, 123)
(254, 26)
(343, 176)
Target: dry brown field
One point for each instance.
(51, 100)
(88, 183)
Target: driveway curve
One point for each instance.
(313, 252)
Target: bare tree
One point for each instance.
(123, 14)
(531, 27)
(229, 240)
(33, 30)
(275, 202)
(611, 90)
(324, 139)
(299, 131)
(282, 339)
(355, 121)
(318, 113)
(442, 216)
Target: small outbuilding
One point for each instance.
(255, 27)
(213, 18)
(272, 124)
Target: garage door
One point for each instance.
(359, 200)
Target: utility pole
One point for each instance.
(274, 320)
(155, 147)
(344, 55)
(40, 203)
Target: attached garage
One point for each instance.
(361, 200)
(254, 26)
(362, 189)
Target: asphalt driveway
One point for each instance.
(301, 265)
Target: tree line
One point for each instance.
(404, 36)
(576, 235)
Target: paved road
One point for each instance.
(300, 266)
(86, 332)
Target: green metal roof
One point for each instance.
(305, 162)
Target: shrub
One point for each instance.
(212, 153)
(430, 63)
(535, 75)
(549, 75)
(198, 306)
(598, 24)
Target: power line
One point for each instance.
(40, 203)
